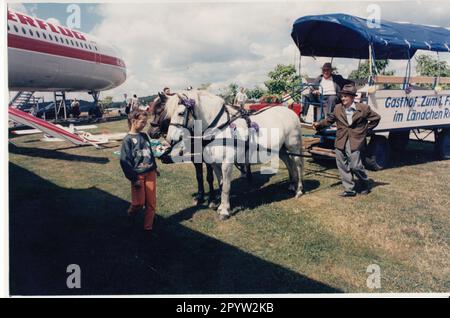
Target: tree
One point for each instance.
(282, 79)
(255, 93)
(363, 71)
(147, 99)
(429, 66)
(107, 101)
(229, 93)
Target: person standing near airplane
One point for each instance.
(128, 106)
(75, 108)
(134, 103)
(240, 98)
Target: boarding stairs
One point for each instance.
(59, 99)
(21, 99)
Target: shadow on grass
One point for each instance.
(417, 152)
(246, 195)
(54, 154)
(258, 195)
(52, 227)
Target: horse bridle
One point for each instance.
(159, 113)
(189, 105)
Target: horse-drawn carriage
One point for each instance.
(410, 106)
(200, 126)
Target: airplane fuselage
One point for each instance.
(47, 57)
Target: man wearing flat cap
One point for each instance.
(353, 121)
(330, 84)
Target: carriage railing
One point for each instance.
(325, 135)
(434, 81)
(299, 91)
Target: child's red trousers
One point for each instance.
(145, 195)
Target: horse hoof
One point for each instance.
(213, 205)
(223, 217)
(299, 194)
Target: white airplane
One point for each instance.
(47, 57)
(43, 56)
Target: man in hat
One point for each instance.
(330, 84)
(353, 121)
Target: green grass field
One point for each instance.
(67, 205)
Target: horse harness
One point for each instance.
(241, 114)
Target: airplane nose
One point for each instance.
(122, 66)
(122, 63)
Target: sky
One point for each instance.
(186, 43)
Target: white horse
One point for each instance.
(276, 129)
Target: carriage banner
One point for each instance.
(419, 108)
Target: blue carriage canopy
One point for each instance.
(342, 35)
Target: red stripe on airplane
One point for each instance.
(43, 123)
(24, 43)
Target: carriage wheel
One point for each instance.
(377, 153)
(442, 143)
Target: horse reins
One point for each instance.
(241, 113)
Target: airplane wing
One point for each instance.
(58, 132)
(71, 129)
(46, 127)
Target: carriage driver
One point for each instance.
(353, 120)
(331, 85)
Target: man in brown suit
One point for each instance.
(353, 120)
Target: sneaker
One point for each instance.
(347, 194)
